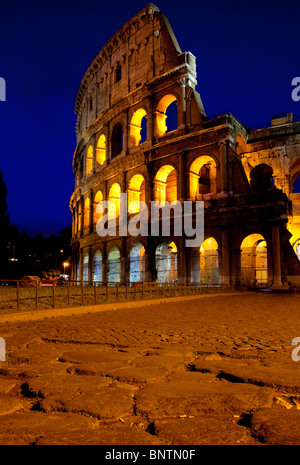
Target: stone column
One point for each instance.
(276, 256)
(223, 166)
(182, 120)
(182, 178)
(225, 257)
(92, 211)
(181, 263)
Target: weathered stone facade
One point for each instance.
(124, 145)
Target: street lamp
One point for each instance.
(65, 265)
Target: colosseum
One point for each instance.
(142, 130)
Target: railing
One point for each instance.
(17, 294)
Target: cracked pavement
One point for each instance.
(214, 370)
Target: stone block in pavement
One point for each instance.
(203, 430)
(161, 400)
(276, 426)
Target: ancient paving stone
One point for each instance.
(10, 404)
(200, 430)
(102, 435)
(96, 355)
(164, 361)
(23, 428)
(251, 372)
(277, 426)
(86, 394)
(161, 400)
(6, 384)
(137, 375)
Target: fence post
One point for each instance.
(95, 291)
(117, 291)
(106, 291)
(126, 290)
(53, 293)
(68, 290)
(18, 296)
(82, 296)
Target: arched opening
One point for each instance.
(137, 263)
(203, 177)
(98, 198)
(166, 111)
(296, 185)
(254, 263)
(101, 150)
(89, 161)
(114, 265)
(261, 178)
(114, 199)
(136, 136)
(136, 193)
(166, 262)
(296, 247)
(86, 215)
(85, 268)
(295, 177)
(165, 182)
(117, 140)
(97, 266)
(209, 262)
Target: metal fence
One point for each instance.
(16, 295)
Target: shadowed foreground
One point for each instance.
(214, 370)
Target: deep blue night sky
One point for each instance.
(247, 55)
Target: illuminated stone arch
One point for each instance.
(79, 217)
(97, 199)
(202, 177)
(295, 177)
(296, 247)
(165, 184)
(101, 150)
(86, 213)
(254, 263)
(136, 192)
(97, 266)
(135, 127)
(137, 267)
(166, 262)
(114, 265)
(162, 113)
(209, 261)
(114, 199)
(89, 160)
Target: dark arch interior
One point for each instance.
(117, 140)
(262, 178)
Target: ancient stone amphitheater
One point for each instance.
(142, 130)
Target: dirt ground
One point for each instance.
(207, 370)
